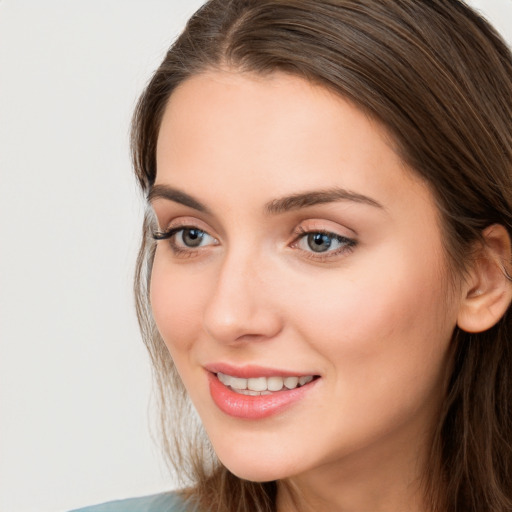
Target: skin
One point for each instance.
(374, 320)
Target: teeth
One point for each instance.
(305, 380)
(257, 384)
(237, 383)
(291, 382)
(275, 383)
(262, 385)
(250, 392)
(225, 379)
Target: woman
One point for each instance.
(326, 257)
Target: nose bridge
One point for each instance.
(239, 306)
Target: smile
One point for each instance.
(256, 398)
(258, 386)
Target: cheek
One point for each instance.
(177, 302)
(382, 330)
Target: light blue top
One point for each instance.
(165, 502)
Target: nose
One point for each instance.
(241, 307)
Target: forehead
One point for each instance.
(226, 130)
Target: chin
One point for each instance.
(257, 467)
(254, 473)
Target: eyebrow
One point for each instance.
(314, 197)
(173, 194)
(274, 207)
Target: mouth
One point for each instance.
(258, 397)
(262, 386)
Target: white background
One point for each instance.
(74, 376)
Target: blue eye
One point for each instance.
(191, 237)
(185, 238)
(319, 242)
(322, 242)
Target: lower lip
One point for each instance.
(254, 407)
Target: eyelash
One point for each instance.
(169, 235)
(346, 244)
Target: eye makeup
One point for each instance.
(316, 244)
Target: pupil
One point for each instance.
(192, 237)
(319, 242)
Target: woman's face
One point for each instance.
(298, 246)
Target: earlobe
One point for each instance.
(488, 290)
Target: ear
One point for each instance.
(488, 290)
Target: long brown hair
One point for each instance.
(439, 78)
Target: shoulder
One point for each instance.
(165, 502)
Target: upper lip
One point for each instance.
(251, 371)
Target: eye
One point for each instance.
(323, 242)
(185, 238)
(319, 242)
(191, 237)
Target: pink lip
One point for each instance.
(254, 407)
(250, 371)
